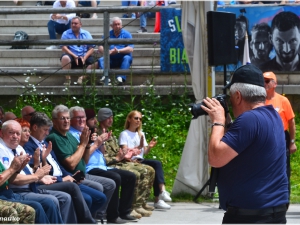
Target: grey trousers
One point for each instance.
(79, 205)
(50, 200)
(66, 206)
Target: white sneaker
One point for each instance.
(102, 81)
(165, 196)
(52, 47)
(161, 205)
(119, 81)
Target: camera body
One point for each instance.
(197, 111)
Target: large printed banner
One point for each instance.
(273, 35)
(172, 54)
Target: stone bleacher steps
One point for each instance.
(36, 57)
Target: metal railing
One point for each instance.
(106, 41)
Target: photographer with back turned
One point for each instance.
(252, 181)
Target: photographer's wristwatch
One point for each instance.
(118, 51)
(292, 141)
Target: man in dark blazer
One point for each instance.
(84, 198)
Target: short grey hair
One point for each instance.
(75, 108)
(76, 18)
(250, 93)
(40, 119)
(112, 20)
(7, 123)
(59, 109)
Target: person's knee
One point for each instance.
(126, 62)
(50, 23)
(127, 58)
(131, 177)
(101, 63)
(65, 62)
(117, 179)
(87, 198)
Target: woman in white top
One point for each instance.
(134, 139)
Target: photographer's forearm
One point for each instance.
(219, 153)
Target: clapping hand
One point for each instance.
(19, 162)
(48, 179)
(36, 158)
(152, 143)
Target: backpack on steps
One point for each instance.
(21, 36)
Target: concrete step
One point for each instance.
(60, 90)
(57, 80)
(43, 16)
(39, 26)
(50, 58)
(6, 37)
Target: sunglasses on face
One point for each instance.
(30, 114)
(137, 118)
(267, 81)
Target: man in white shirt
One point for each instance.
(59, 23)
(24, 183)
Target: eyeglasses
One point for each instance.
(137, 118)
(267, 81)
(79, 118)
(30, 114)
(63, 118)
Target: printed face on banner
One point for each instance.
(273, 36)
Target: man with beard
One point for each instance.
(260, 44)
(285, 38)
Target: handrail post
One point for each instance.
(106, 46)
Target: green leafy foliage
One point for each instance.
(295, 166)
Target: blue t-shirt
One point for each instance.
(96, 160)
(257, 177)
(79, 50)
(124, 34)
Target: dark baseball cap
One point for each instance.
(248, 74)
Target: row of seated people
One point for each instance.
(73, 170)
(90, 3)
(81, 56)
(59, 23)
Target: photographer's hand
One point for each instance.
(215, 110)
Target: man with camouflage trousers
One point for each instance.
(15, 213)
(115, 157)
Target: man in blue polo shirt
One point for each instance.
(251, 154)
(77, 56)
(120, 54)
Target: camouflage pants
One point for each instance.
(15, 213)
(144, 181)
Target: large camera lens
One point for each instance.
(196, 109)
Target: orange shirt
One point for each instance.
(283, 106)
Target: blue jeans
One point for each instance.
(127, 3)
(49, 203)
(94, 199)
(87, 3)
(122, 63)
(54, 27)
(144, 16)
(40, 215)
